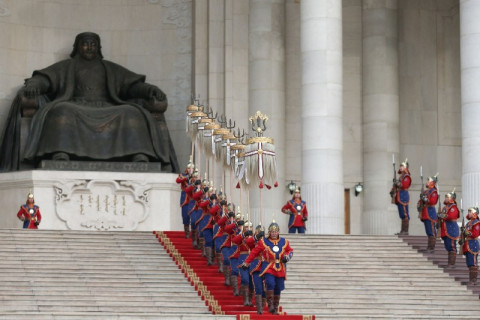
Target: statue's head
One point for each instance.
(88, 45)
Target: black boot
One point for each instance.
(259, 304)
(276, 303)
(219, 258)
(194, 238)
(186, 228)
(209, 252)
(201, 242)
(404, 229)
(250, 297)
(452, 257)
(472, 275)
(234, 282)
(431, 241)
(226, 274)
(270, 301)
(244, 294)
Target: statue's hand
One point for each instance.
(157, 94)
(31, 91)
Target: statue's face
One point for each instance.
(88, 48)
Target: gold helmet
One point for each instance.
(297, 190)
(273, 227)
(195, 173)
(405, 163)
(190, 164)
(433, 178)
(30, 196)
(452, 195)
(472, 213)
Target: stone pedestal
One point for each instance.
(88, 200)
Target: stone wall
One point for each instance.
(430, 108)
(151, 37)
(157, 38)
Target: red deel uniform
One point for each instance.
(471, 244)
(242, 247)
(29, 218)
(182, 179)
(432, 196)
(299, 209)
(405, 183)
(188, 194)
(273, 252)
(452, 216)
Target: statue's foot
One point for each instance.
(60, 156)
(140, 157)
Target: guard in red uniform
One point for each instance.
(449, 227)
(206, 225)
(236, 248)
(428, 200)
(257, 267)
(29, 213)
(228, 227)
(219, 212)
(296, 208)
(471, 246)
(196, 212)
(276, 252)
(204, 219)
(184, 179)
(402, 197)
(245, 242)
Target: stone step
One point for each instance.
(110, 316)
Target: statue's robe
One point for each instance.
(91, 115)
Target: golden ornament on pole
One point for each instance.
(260, 159)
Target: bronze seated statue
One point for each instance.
(87, 108)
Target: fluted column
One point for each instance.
(380, 113)
(470, 82)
(322, 149)
(267, 94)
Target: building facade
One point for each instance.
(346, 85)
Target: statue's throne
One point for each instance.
(24, 109)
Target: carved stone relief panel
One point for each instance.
(101, 205)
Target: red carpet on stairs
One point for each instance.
(210, 283)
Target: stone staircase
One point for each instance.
(128, 275)
(439, 257)
(92, 275)
(371, 277)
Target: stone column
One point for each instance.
(470, 80)
(322, 149)
(380, 114)
(216, 54)
(267, 94)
